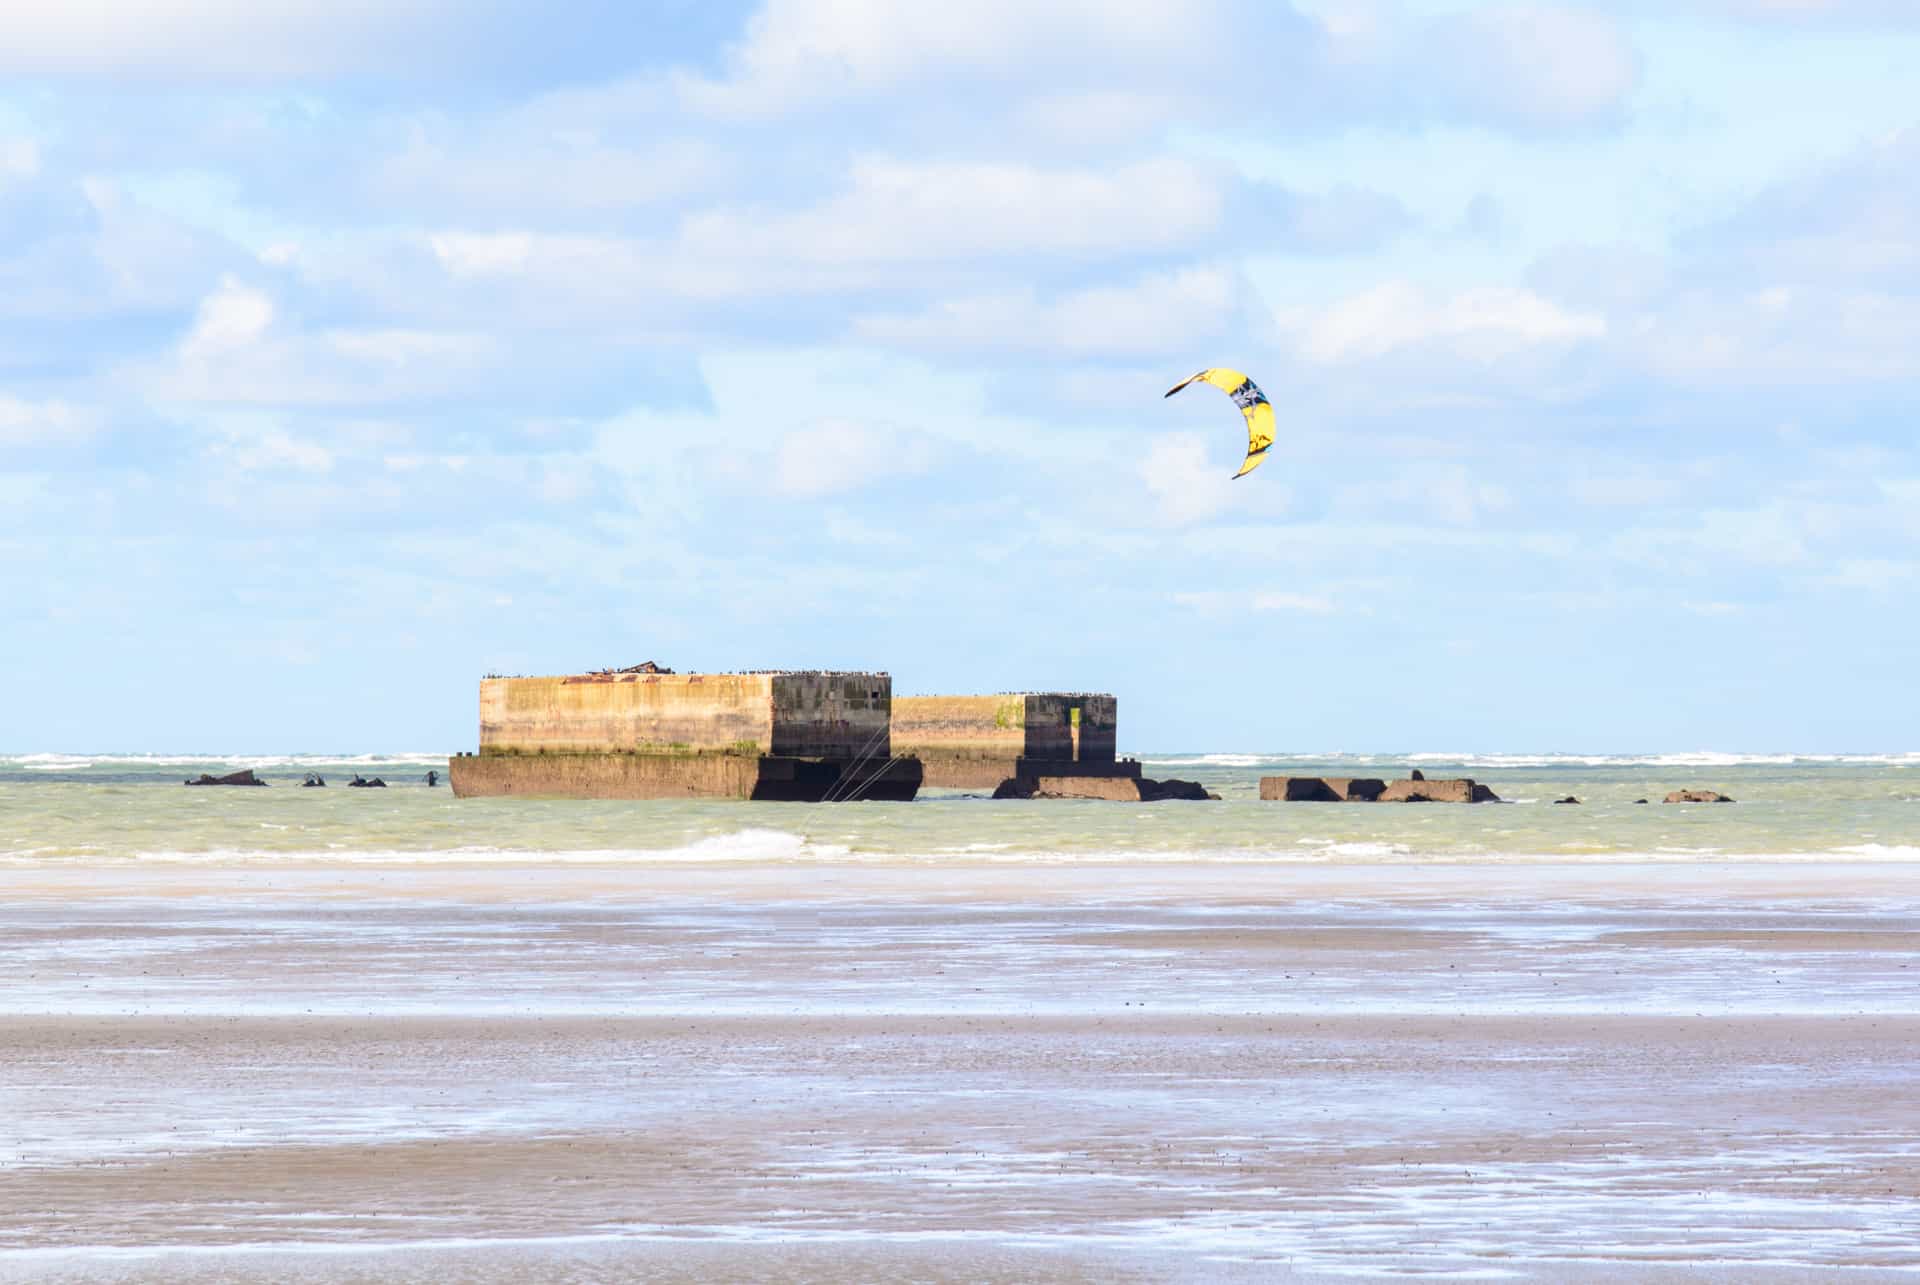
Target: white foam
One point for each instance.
(1693, 758)
(1880, 852)
(80, 762)
(1466, 758)
(741, 846)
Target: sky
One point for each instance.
(350, 351)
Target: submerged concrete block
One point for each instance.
(682, 776)
(1321, 789)
(1359, 789)
(1119, 789)
(639, 734)
(805, 715)
(976, 742)
(1696, 796)
(1453, 791)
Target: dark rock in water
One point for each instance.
(1697, 796)
(1120, 789)
(1359, 789)
(362, 783)
(314, 781)
(1459, 790)
(1155, 791)
(1639, 800)
(1300, 789)
(243, 777)
(1416, 775)
(1568, 799)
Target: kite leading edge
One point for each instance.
(1253, 406)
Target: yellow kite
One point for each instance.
(1252, 403)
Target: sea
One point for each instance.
(117, 808)
(288, 1033)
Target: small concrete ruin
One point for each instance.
(648, 733)
(1362, 789)
(977, 742)
(1027, 745)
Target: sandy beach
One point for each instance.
(960, 1074)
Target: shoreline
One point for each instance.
(962, 879)
(1540, 1146)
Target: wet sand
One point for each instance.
(598, 1074)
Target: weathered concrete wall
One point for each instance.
(604, 776)
(986, 727)
(975, 742)
(832, 715)
(707, 775)
(663, 713)
(805, 714)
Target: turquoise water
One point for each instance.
(58, 809)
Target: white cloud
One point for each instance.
(1837, 11)
(1483, 324)
(190, 38)
(238, 352)
(1164, 311)
(1187, 485)
(898, 211)
(832, 456)
(1054, 67)
(798, 53)
(470, 254)
(274, 451)
(1774, 537)
(541, 169)
(1214, 600)
(1874, 574)
(19, 158)
(1625, 492)
(44, 423)
(1552, 65)
(234, 316)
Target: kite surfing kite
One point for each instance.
(1252, 403)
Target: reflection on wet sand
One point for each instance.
(1160, 1080)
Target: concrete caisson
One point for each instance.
(979, 742)
(803, 736)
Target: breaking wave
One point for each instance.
(1695, 758)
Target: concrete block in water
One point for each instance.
(1119, 789)
(683, 776)
(1321, 789)
(1341, 789)
(978, 742)
(1458, 790)
(638, 735)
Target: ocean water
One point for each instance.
(282, 1033)
(61, 808)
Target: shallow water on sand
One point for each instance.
(284, 1033)
(55, 807)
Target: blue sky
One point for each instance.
(350, 351)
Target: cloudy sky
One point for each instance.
(351, 350)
